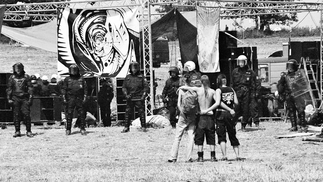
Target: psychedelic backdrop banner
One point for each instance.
(100, 42)
(208, 24)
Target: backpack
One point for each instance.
(189, 102)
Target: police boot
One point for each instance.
(293, 122)
(303, 128)
(213, 159)
(83, 132)
(69, 123)
(143, 122)
(28, 127)
(200, 157)
(243, 127)
(125, 129)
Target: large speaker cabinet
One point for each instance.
(46, 109)
(6, 114)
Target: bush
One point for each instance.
(296, 32)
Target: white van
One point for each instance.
(270, 69)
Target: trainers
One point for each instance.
(125, 130)
(83, 132)
(29, 134)
(200, 159)
(17, 134)
(213, 159)
(171, 160)
(68, 132)
(189, 160)
(293, 128)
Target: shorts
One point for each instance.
(224, 125)
(205, 128)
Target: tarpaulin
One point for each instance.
(187, 34)
(42, 36)
(164, 25)
(208, 39)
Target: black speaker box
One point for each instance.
(310, 49)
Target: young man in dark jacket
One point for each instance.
(105, 97)
(135, 88)
(20, 95)
(74, 93)
(170, 94)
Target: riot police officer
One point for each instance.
(20, 94)
(74, 93)
(170, 94)
(285, 92)
(243, 82)
(135, 88)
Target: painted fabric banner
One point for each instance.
(101, 42)
(208, 24)
(2, 10)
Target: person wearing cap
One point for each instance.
(243, 82)
(135, 89)
(74, 94)
(20, 95)
(105, 96)
(285, 92)
(169, 94)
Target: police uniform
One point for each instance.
(135, 88)
(20, 94)
(74, 92)
(170, 95)
(285, 92)
(243, 82)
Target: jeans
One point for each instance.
(184, 122)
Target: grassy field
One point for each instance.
(105, 154)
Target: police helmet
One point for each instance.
(174, 69)
(189, 66)
(292, 65)
(242, 58)
(74, 70)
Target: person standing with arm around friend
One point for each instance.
(20, 95)
(186, 121)
(135, 88)
(224, 116)
(74, 93)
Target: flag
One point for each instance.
(208, 24)
(2, 10)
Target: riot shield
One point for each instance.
(301, 89)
